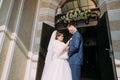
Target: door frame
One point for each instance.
(110, 48)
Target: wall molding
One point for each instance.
(10, 52)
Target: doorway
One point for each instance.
(105, 56)
(98, 54)
(89, 68)
(98, 61)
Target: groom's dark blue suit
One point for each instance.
(76, 55)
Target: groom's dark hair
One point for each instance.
(72, 23)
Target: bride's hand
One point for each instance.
(68, 41)
(67, 48)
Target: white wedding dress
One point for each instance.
(58, 68)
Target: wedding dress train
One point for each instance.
(58, 68)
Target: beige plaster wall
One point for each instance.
(18, 66)
(113, 9)
(4, 53)
(27, 22)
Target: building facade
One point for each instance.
(21, 24)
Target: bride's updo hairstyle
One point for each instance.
(58, 34)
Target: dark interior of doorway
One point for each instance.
(89, 70)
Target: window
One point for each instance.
(82, 4)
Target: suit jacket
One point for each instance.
(75, 51)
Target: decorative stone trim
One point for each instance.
(115, 35)
(47, 4)
(114, 14)
(116, 45)
(10, 52)
(47, 18)
(9, 57)
(1, 3)
(3, 30)
(115, 25)
(113, 4)
(102, 6)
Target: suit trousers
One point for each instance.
(76, 71)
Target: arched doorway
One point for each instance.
(98, 60)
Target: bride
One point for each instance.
(56, 64)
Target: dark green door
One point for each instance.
(105, 54)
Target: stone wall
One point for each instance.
(17, 26)
(21, 26)
(113, 9)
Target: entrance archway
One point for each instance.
(93, 68)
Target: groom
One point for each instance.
(75, 52)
